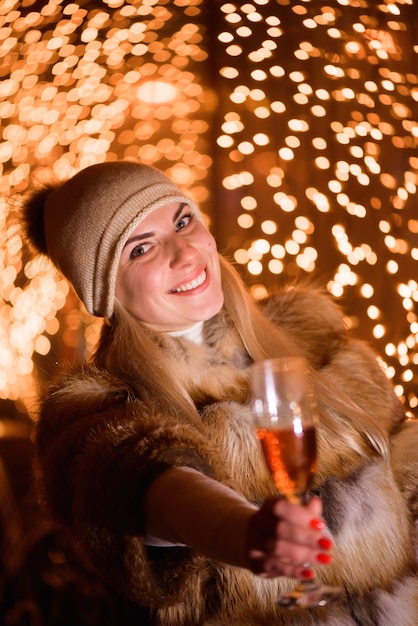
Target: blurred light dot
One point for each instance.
(245, 221)
(286, 154)
(392, 267)
(275, 266)
(269, 227)
(156, 92)
(278, 251)
(255, 267)
(262, 246)
(241, 256)
(379, 331)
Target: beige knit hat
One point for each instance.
(89, 218)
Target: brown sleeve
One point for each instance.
(98, 450)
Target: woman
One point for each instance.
(148, 453)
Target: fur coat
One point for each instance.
(100, 445)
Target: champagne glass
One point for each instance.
(282, 407)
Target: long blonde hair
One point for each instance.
(129, 351)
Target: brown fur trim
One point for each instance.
(100, 444)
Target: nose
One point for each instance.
(182, 252)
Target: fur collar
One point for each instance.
(213, 370)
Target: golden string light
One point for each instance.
(84, 82)
(294, 124)
(318, 140)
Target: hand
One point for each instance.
(284, 539)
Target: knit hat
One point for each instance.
(89, 218)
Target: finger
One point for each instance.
(292, 545)
(314, 505)
(297, 553)
(314, 535)
(273, 537)
(287, 561)
(273, 511)
(268, 567)
(297, 513)
(299, 539)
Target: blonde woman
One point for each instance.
(148, 455)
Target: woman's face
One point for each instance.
(169, 274)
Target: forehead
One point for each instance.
(167, 213)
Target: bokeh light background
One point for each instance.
(293, 124)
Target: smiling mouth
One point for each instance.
(192, 284)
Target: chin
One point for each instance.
(214, 311)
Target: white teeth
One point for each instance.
(193, 284)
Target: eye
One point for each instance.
(139, 251)
(184, 221)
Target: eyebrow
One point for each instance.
(151, 233)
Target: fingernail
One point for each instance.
(317, 524)
(324, 558)
(307, 573)
(325, 543)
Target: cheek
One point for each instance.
(211, 243)
(149, 285)
(130, 283)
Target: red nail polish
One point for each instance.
(307, 573)
(317, 524)
(325, 543)
(324, 558)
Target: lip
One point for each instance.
(195, 284)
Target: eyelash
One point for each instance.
(189, 216)
(186, 216)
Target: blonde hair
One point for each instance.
(128, 350)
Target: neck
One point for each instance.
(193, 333)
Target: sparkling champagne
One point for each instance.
(284, 415)
(291, 458)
